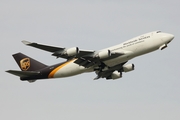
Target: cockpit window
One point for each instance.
(158, 31)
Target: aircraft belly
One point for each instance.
(70, 70)
(118, 60)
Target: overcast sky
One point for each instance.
(152, 91)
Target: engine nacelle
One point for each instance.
(128, 67)
(104, 54)
(72, 51)
(115, 75)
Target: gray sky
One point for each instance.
(152, 91)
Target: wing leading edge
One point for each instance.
(60, 51)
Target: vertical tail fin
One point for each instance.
(27, 63)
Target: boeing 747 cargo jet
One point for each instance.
(107, 63)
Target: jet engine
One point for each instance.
(128, 67)
(115, 75)
(104, 54)
(72, 51)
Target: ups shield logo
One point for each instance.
(25, 64)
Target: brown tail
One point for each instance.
(27, 63)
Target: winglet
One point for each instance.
(26, 42)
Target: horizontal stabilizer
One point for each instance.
(23, 73)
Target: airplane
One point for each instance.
(107, 63)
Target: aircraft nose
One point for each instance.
(168, 37)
